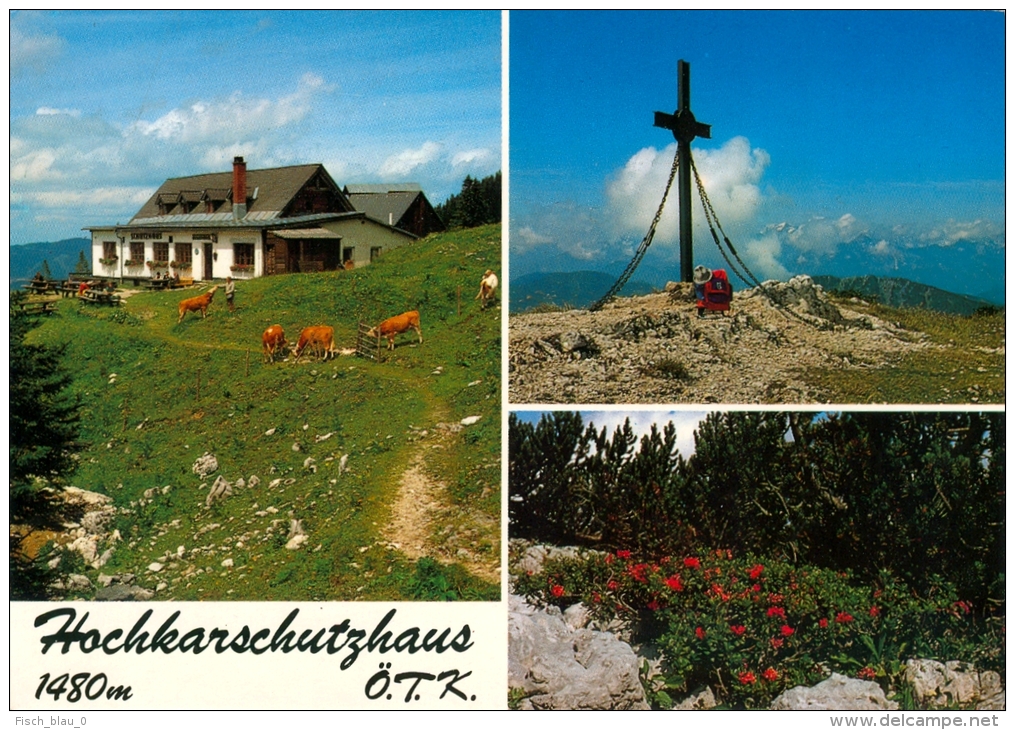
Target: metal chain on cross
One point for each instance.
(711, 215)
(645, 243)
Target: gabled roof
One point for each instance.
(269, 191)
(383, 206)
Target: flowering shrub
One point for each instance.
(133, 263)
(751, 629)
(111, 261)
(157, 264)
(180, 264)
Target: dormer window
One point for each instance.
(168, 201)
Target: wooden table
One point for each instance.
(97, 296)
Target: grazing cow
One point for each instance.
(486, 288)
(195, 304)
(320, 338)
(273, 341)
(396, 326)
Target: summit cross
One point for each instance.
(685, 128)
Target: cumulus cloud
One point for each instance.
(881, 248)
(32, 50)
(468, 157)
(525, 238)
(730, 175)
(408, 160)
(233, 118)
(952, 231)
(762, 257)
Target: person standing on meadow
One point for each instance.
(230, 292)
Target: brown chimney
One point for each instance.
(239, 188)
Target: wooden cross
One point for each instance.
(685, 128)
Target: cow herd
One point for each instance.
(320, 339)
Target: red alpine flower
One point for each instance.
(692, 563)
(612, 585)
(866, 673)
(843, 618)
(624, 554)
(823, 623)
(699, 632)
(738, 630)
(874, 611)
(674, 583)
(755, 572)
(787, 630)
(653, 605)
(557, 591)
(776, 643)
(747, 678)
(777, 612)
(770, 675)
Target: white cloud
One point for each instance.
(881, 248)
(763, 257)
(49, 111)
(405, 162)
(952, 231)
(820, 236)
(32, 50)
(233, 118)
(96, 197)
(33, 166)
(525, 238)
(730, 176)
(470, 156)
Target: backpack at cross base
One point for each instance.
(718, 294)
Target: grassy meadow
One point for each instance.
(963, 364)
(156, 395)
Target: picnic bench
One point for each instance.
(98, 296)
(40, 287)
(47, 307)
(158, 284)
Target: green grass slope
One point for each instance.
(181, 390)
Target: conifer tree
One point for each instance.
(43, 431)
(82, 266)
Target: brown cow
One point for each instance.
(195, 304)
(273, 340)
(396, 326)
(320, 338)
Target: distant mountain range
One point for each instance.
(578, 289)
(896, 292)
(62, 257)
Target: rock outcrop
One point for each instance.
(954, 683)
(557, 667)
(835, 693)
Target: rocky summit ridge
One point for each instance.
(655, 349)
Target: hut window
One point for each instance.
(243, 254)
(183, 254)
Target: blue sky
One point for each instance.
(842, 142)
(104, 106)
